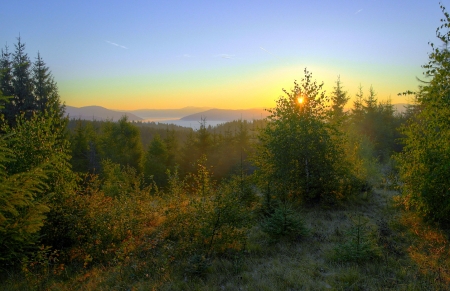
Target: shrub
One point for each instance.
(284, 223)
(360, 246)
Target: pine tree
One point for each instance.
(121, 143)
(425, 161)
(6, 76)
(339, 99)
(45, 89)
(22, 81)
(371, 101)
(299, 153)
(31, 86)
(156, 161)
(358, 107)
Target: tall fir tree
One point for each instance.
(339, 99)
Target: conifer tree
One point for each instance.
(31, 86)
(425, 160)
(156, 161)
(22, 206)
(6, 76)
(300, 152)
(23, 85)
(339, 99)
(358, 107)
(126, 140)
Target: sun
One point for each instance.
(300, 100)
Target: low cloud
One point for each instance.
(115, 44)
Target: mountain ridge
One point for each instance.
(189, 113)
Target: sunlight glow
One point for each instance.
(300, 100)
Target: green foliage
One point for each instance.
(104, 221)
(120, 180)
(377, 122)
(156, 161)
(22, 207)
(360, 246)
(339, 99)
(203, 220)
(300, 153)
(83, 143)
(425, 162)
(30, 85)
(121, 143)
(284, 222)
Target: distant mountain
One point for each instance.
(159, 114)
(98, 113)
(227, 115)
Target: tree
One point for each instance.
(23, 201)
(45, 89)
(6, 73)
(30, 86)
(83, 143)
(23, 85)
(121, 143)
(425, 161)
(358, 108)
(339, 99)
(299, 153)
(156, 161)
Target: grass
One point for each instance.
(413, 256)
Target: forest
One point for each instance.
(314, 197)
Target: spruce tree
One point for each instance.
(23, 100)
(425, 160)
(339, 99)
(300, 153)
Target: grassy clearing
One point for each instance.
(410, 255)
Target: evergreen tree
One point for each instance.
(22, 82)
(425, 161)
(45, 89)
(121, 143)
(171, 143)
(83, 143)
(31, 86)
(371, 101)
(6, 76)
(156, 161)
(339, 99)
(300, 152)
(358, 107)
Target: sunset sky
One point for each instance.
(223, 54)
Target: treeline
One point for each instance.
(159, 201)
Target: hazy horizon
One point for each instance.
(222, 55)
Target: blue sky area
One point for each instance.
(225, 54)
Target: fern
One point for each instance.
(21, 214)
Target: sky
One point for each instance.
(223, 54)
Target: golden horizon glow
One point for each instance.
(243, 88)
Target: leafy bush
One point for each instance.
(203, 220)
